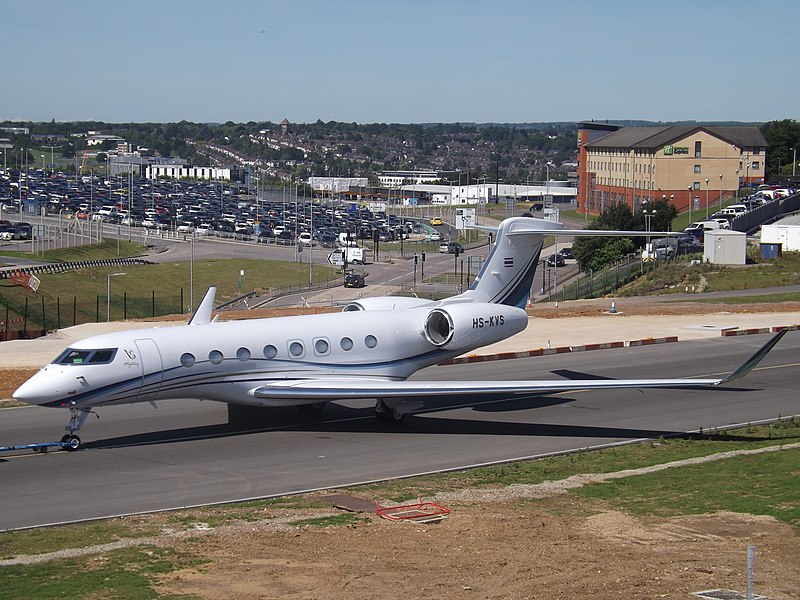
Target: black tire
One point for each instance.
(386, 414)
(73, 443)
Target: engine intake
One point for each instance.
(438, 327)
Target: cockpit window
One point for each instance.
(102, 356)
(71, 356)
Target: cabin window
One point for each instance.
(215, 357)
(270, 351)
(296, 349)
(187, 359)
(346, 343)
(370, 341)
(321, 346)
(243, 354)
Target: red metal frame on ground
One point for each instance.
(419, 512)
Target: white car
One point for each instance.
(723, 223)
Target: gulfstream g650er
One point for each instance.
(366, 351)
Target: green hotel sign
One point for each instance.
(669, 150)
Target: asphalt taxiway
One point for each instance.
(183, 453)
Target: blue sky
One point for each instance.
(404, 61)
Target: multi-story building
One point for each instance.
(394, 179)
(692, 166)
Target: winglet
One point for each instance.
(751, 362)
(202, 316)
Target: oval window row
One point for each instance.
(296, 350)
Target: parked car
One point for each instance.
(451, 248)
(354, 280)
(22, 231)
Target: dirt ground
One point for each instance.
(560, 547)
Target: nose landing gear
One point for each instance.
(78, 417)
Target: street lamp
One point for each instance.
(648, 214)
(690, 205)
(108, 293)
(706, 194)
(794, 160)
(720, 191)
(737, 186)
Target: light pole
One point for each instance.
(108, 294)
(706, 194)
(794, 160)
(648, 215)
(737, 186)
(690, 205)
(720, 191)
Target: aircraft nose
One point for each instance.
(33, 392)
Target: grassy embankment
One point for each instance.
(680, 276)
(164, 280)
(764, 484)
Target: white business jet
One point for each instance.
(366, 351)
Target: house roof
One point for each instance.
(653, 138)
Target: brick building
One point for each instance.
(691, 165)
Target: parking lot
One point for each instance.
(182, 208)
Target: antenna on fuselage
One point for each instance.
(202, 316)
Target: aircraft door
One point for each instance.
(152, 368)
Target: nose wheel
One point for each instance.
(73, 442)
(77, 418)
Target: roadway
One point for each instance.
(183, 453)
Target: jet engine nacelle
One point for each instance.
(469, 325)
(386, 303)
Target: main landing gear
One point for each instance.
(394, 411)
(78, 417)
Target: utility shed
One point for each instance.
(786, 235)
(725, 247)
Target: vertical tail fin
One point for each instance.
(507, 274)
